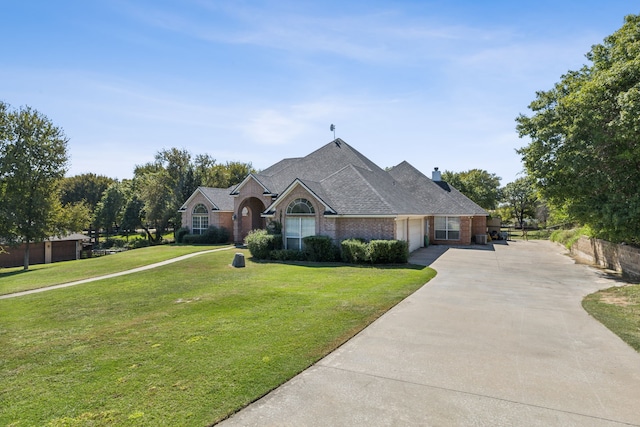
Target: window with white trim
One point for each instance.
(300, 222)
(447, 227)
(199, 219)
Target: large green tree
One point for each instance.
(87, 188)
(521, 197)
(33, 158)
(110, 209)
(585, 138)
(477, 184)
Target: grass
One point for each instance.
(184, 344)
(618, 309)
(569, 237)
(518, 234)
(41, 275)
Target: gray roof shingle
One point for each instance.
(351, 184)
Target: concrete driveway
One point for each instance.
(498, 338)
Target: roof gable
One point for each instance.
(256, 178)
(219, 198)
(312, 188)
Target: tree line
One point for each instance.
(151, 199)
(37, 201)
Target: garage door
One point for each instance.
(416, 236)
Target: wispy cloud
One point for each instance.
(381, 36)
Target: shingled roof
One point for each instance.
(220, 198)
(437, 197)
(351, 184)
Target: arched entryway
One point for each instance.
(248, 217)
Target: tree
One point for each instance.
(33, 157)
(74, 217)
(521, 197)
(584, 152)
(477, 184)
(158, 199)
(110, 208)
(87, 188)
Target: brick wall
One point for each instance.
(621, 258)
(479, 225)
(365, 228)
(216, 218)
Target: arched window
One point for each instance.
(300, 207)
(300, 222)
(199, 219)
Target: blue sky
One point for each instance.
(436, 83)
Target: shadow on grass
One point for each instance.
(13, 273)
(339, 264)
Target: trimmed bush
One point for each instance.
(388, 252)
(320, 249)
(287, 255)
(211, 235)
(354, 251)
(261, 243)
(181, 233)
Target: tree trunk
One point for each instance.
(26, 256)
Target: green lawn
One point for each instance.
(183, 344)
(619, 310)
(16, 279)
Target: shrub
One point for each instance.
(181, 233)
(320, 249)
(354, 251)
(138, 243)
(287, 255)
(261, 243)
(388, 252)
(211, 235)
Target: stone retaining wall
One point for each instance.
(622, 258)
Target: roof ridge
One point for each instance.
(384, 200)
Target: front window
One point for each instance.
(199, 219)
(300, 223)
(447, 228)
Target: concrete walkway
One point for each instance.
(108, 276)
(498, 338)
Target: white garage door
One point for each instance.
(416, 236)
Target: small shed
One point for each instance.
(53, 249)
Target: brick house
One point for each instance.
(337, 192)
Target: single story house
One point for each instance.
(53, 249)
(337, 192)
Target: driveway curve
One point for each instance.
(497, 338)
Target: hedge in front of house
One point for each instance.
(211, 235)
(354, 251)
(388, 252)
(261, 243)
(180, 233)
(320, 249)
(287, 255)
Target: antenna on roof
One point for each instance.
(333, 129)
